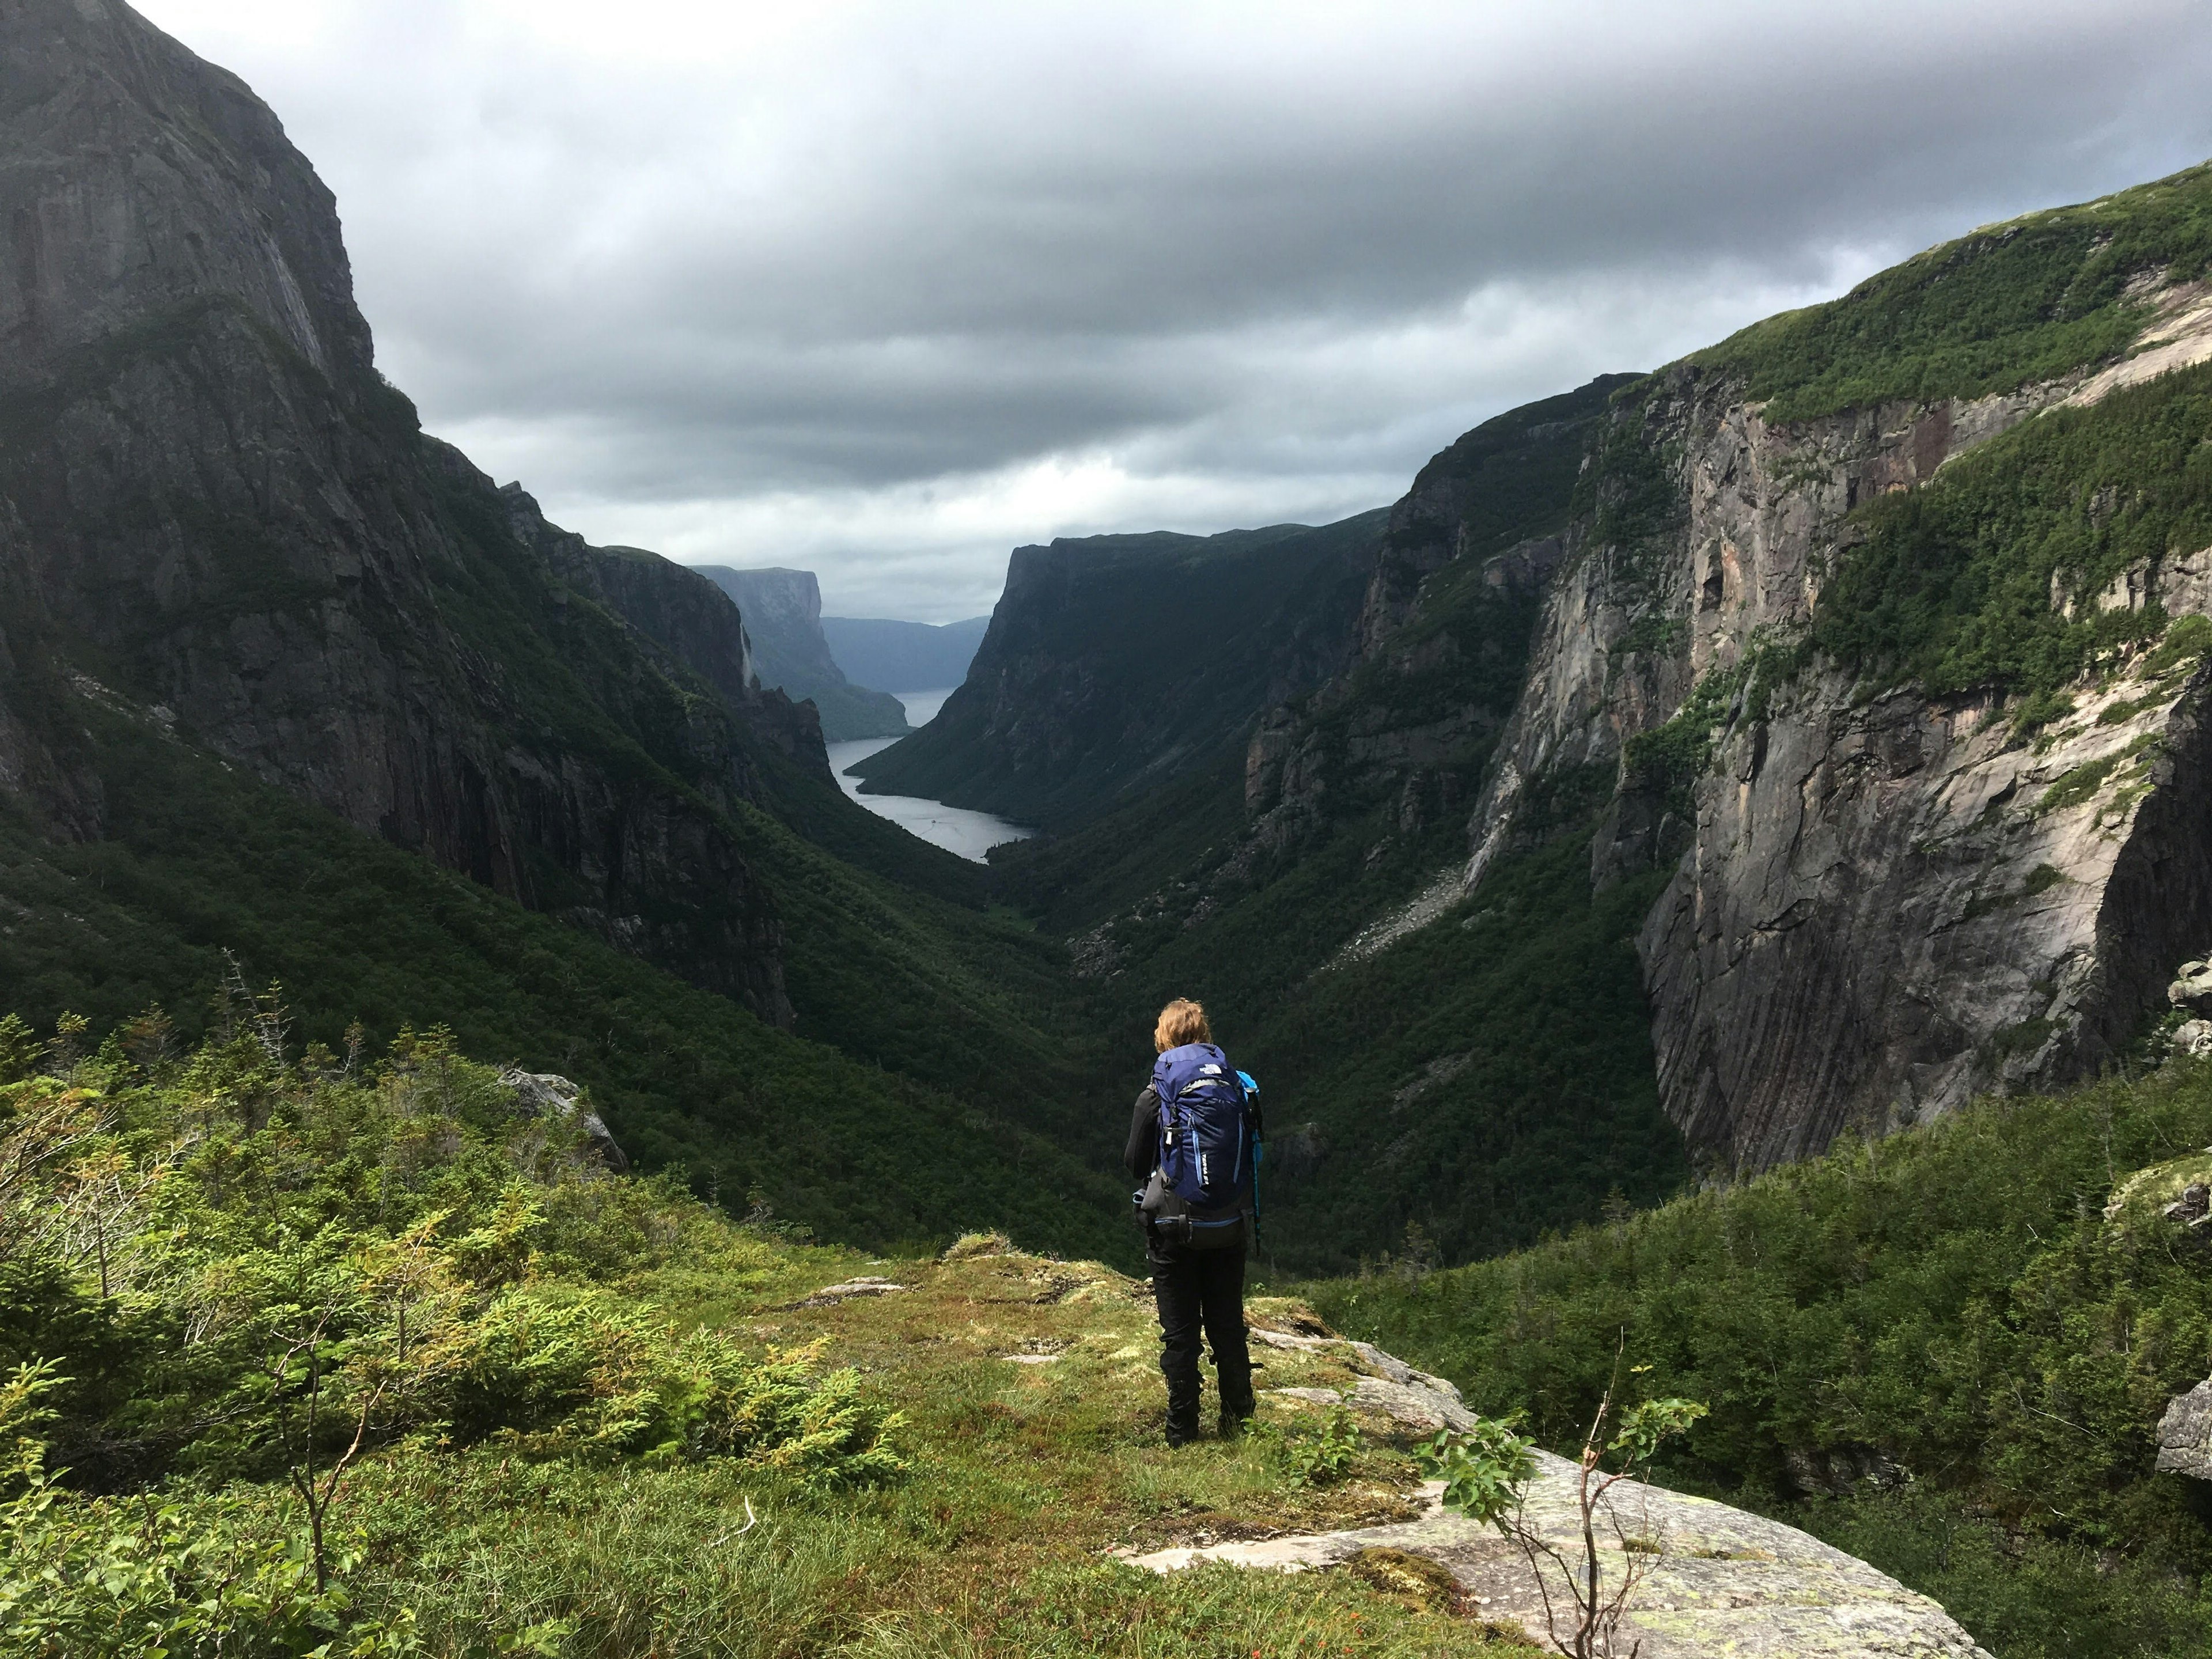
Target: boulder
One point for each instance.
(549, 1095)
(1714, 1583)
(2184, 1433)
(2192, 987)
(2190, 1209)
(2192, 1037)
(1416, 1405)
(1393, 1389)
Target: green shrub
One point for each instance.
(287, 1259)
(1322, 1456)
(202, 1575)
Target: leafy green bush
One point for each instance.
(1324, 1456)
(1483, 1467)
(205, 1575)
(287, 1259)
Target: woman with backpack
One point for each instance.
(1193, 1140)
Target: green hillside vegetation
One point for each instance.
(1176, 644)
(1941, 1332)
(2031, 300)
(1077, 879)
(1951, 584)
(1488, 1079)
(961, 1067)
(346, 1357)
(583, 682)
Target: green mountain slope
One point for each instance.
(2033, 298)
(959, 1077)
(1939, 1350)
(1114, 663)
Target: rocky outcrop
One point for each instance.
(1387, 1386)
(1878, 906)
(1714, 1581)
(791, 653)
(547, 1095)
(2184, 1434)
(211, 502)
(1710, 1580)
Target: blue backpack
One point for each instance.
(1206, 1145)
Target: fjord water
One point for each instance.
(956, 829)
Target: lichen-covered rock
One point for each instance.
(1713, 1581)
(2192, 987)
(1716, 1583)
(549, 1095)
(1413, 1404)
(865, 1285)
(2184, 1433)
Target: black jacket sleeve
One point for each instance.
(1144, 1137)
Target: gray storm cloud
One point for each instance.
(885, 289)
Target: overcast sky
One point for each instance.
(884, 290)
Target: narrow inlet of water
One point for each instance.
(956, 829)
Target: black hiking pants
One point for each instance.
(1195, 1289)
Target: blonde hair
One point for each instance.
(1181, 1022)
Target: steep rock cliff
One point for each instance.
(1116, 663)
(683, 616)
(1442, 633)
(790, 652)
(1929, 767)
(212, 508)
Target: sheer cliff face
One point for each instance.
(783, 615)
(212, 506)
(1116, 663)
(140, 179)
(1879, 905)
(682, 621)
(1442, 632)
